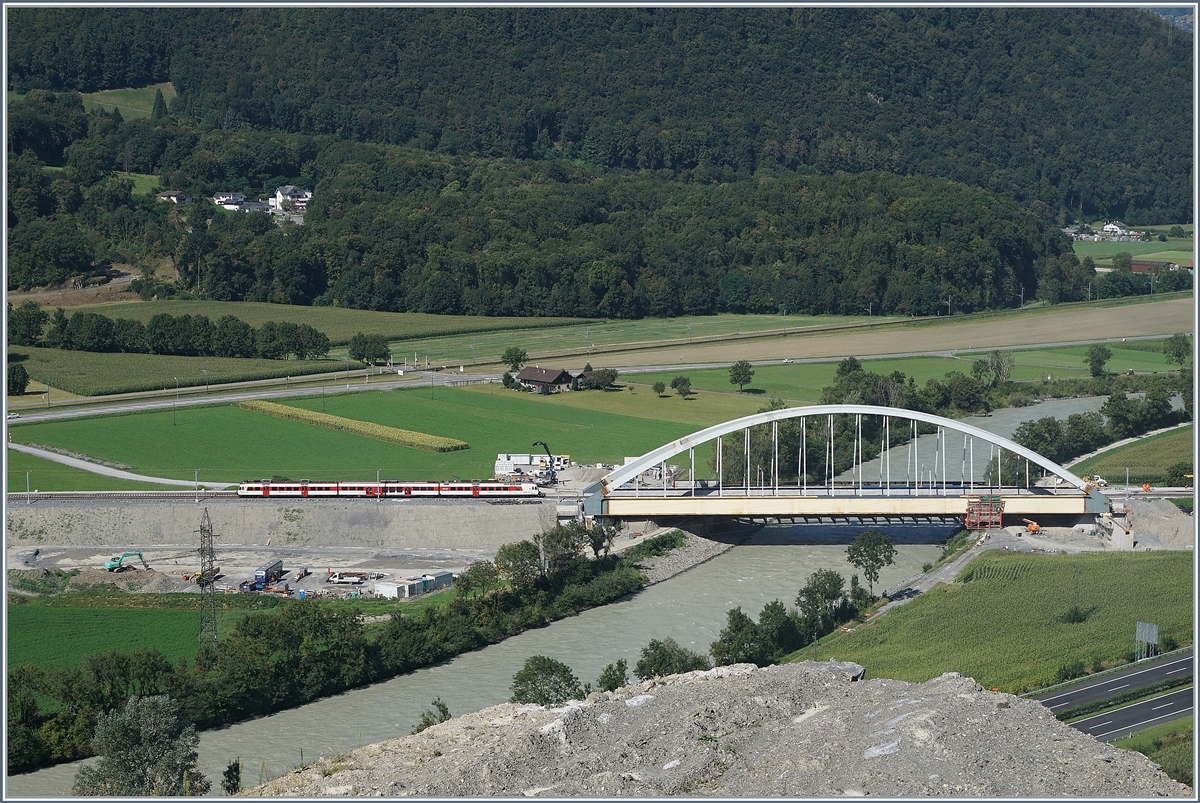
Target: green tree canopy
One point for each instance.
(514, 357)
(666, 657)
(740, 374)
(1177, 348)
(871, 551)
(545, 681)
(682, 385)
(145, 748)
(1097, 355)
(614, 676)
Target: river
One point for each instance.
(689, 608)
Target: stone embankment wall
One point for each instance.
(411, 524)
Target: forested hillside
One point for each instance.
(397, 229)
(1071, 111)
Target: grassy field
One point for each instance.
(1177, 251)
(46, 475)
(1006, 628)
(230, 444)
(1147, 459)
(91, 623)
(338, 323)
(804, 381)
(81, 373)
(132, 102)
(1170, 745)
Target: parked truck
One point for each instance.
(269, 573)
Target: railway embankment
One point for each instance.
(297, 523)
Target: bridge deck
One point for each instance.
(782, 502)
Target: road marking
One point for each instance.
(1102, 724)
(1180, 669)
(1143, 724)
(1186, 660)
(1078, 724)
(1122, 686)
(1168, 705)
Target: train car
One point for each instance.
(289, 488)
(391, 489)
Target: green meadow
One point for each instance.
(229, 444)
(1177, 251)
(1004, 622)
(338, 323)
(46, 475)
(131, 102)
(1147, 459)
(89, 623)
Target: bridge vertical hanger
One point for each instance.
(775, 458)
(692, 470)
(803, 460)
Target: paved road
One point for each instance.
(1110, 684)
(1119, 723)
(97, 468)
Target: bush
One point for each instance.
(660, 658)
(1070, 671)
(545, 681)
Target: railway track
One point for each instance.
(19, 497)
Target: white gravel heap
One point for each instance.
(796, 730)
(1161, 525)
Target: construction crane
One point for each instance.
(550, 457)
(117, 564)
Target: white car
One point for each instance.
(1100, 481)
(788, 361)
(14, 415)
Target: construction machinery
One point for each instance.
(550, 458)
(1032, 526)
(117, 564)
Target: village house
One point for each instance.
(553, 379)
(175, 197)
(229, 200)
(289, 195)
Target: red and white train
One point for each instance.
(488, 489)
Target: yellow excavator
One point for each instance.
(1032, 526)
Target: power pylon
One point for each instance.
(208, 599)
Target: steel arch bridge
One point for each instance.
(926, 487)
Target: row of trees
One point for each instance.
(186, 335)
(1015, 120)
(304, 650)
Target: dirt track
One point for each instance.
(1052, 326)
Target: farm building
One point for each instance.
(553, 379)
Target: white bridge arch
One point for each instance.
(1089, 498)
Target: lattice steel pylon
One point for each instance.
(208, 599)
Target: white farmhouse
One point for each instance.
(287, 193)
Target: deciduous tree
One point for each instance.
(514, 357)
(545, 681)
(614, 676)
(740, 374)
(682, 385)
(145, 749)
(1177, 348)
(1097, 355)
(666, 657)
(871, 551)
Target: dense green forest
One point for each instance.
(391, 228)
(1081, 112)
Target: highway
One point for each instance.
(1139, 676)
(1119, 723)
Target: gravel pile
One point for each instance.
(796, 730)
(144, 581)
(696, 550)
(1159, 524)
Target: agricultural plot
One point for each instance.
(1006, 627)
(1102, 252)
(228, 444)
(46, 475)
(1147, 459)
(71, 626)
(338, 323)
(400, 437)
(95, 374)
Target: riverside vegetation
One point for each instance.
(294, 653)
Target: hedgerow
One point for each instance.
(379, 432)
